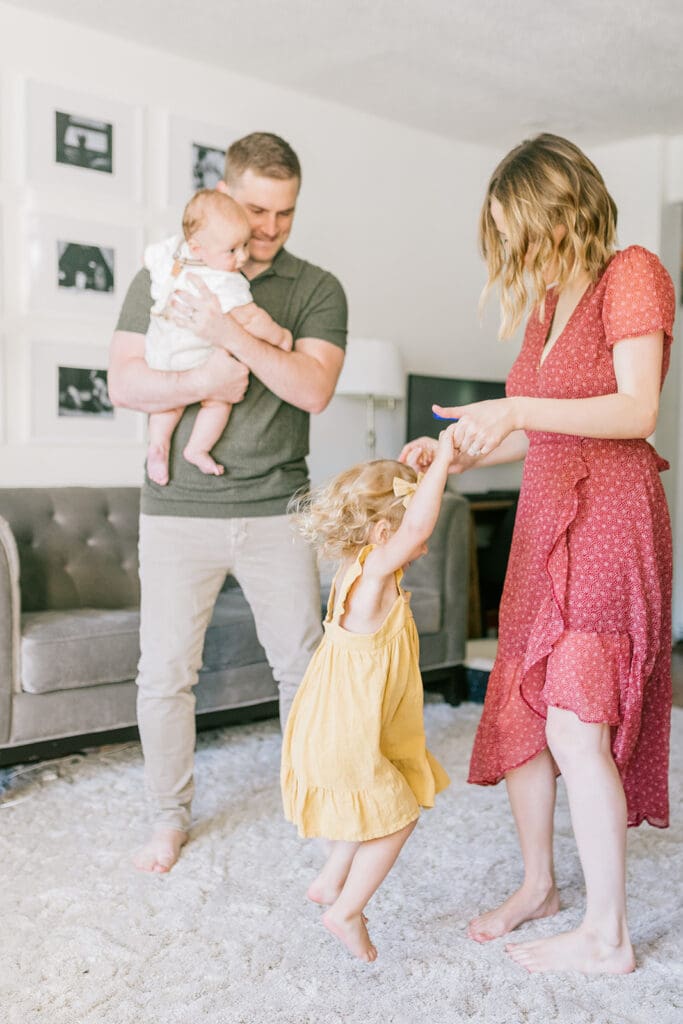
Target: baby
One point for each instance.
(215, 247)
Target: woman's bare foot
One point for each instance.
(524, 905)
(157, 464)
(353, 933)
(161, 852)
(203, 461)
(579, 950)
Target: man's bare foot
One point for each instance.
(523, 905)
(353, 933)
(203, 461)
(161, 852)
(579, 950)
(157, 464)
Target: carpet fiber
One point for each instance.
(228, 938)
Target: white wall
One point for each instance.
(645, 176)
(390, 210)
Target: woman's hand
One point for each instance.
(482, 426)
(200, 312)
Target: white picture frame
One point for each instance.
(3, 389)
(69, 402)
(84, 142)
(186, 138)
(78, 267)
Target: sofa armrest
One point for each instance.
(10, 626)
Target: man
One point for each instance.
(198, 527)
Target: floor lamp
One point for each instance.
(373, 370)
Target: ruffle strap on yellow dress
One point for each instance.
(354, 761)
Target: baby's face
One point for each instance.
(222, 244)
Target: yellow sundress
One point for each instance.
(354, 761)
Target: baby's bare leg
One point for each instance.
(210, 423)
(370, 866)
(330, 882)
(159, 431)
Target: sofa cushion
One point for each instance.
(65, 650)
(83, 647)
(90, 646)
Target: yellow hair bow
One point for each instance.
(405, 489)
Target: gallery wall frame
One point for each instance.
(69, 400)
(78, 267)
(196, 156)
(84, 142)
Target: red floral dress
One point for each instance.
(585, 617)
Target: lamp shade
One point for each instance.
(372, 367)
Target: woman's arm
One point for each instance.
(630, 412)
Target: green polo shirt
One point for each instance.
(265, 443)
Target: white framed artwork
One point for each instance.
(70, 401)
(78, 267)
(82, 141)
(196, 156)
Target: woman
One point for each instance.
(581, 682)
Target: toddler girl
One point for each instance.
(355, 769)
(214, 246)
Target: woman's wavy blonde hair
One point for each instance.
(541, 184)
(337, 516)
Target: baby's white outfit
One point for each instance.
(168, 346)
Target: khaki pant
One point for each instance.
(183, 563)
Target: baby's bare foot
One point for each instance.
(203, 461)
(579, 950)
(524, 905)
(160, 853)
(157, 464)
(353, 933)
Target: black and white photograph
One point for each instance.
(207, 166)
(83, 392)
(196, 157)
(88, 144)
(85, 267)
(78, 267)
(84, 142)
(69, 397)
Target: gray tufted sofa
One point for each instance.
(69, 599)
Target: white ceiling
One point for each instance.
(487, 71)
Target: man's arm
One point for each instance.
(305, 377)
(132, 384)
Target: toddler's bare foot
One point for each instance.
(353, 933)
(203, 461)
(579, 950)
(524, 905)
(157, 464)
(160, 853)
(322, 892)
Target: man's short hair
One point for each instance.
(263, 153)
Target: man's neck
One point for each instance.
(252, 268)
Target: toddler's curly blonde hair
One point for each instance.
(337, 516)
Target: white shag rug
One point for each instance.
(228, 937)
